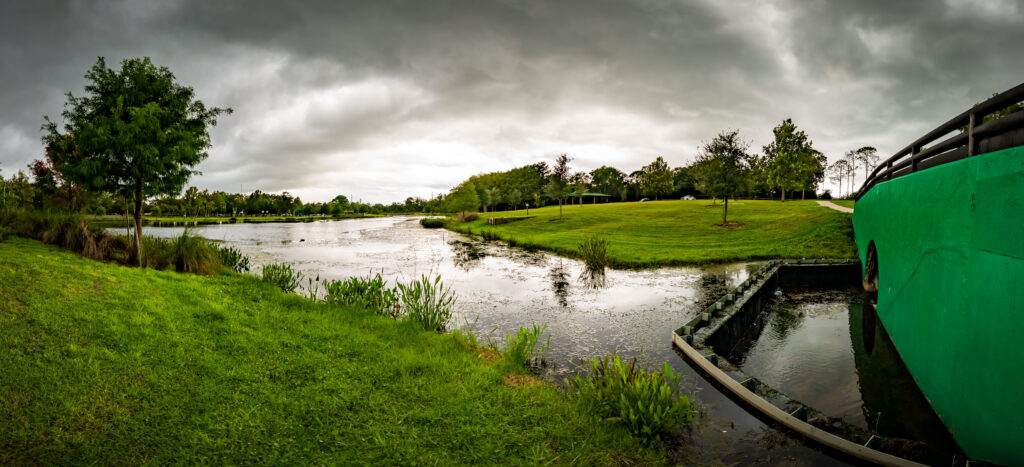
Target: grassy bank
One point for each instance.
(662, 233)
(106, 364)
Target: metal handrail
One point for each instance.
(951, 147)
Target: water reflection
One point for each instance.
(560, 283)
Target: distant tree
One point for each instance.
(789, 158)
(463, 198)
(851, 160)
(536, 200)
(579, 184)
(607, 180)
(867, 156)
(840, 172)
(558, 181)
(496, 197)
(485, 197)
(137, 132)
(515, 197)
(656, 178)
(722, 167)
(683, 181)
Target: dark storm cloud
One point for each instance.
(381, 100)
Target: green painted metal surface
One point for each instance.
(950, 246)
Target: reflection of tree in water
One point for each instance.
(466, 254)
(560, 283)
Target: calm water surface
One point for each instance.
(500, 289)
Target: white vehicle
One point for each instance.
(645, 199)
(687, 198)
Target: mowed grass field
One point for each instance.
(102, 364)
(846, 203)
(665, 233)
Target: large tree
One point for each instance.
(790, 158)
(607, 180)
(463, 198)
(558, 181)
(722, 167)
(656, 178)
(138, 133)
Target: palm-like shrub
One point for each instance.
(370, 292)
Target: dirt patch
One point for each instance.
(521, 381)
(488, 355)
(730, 225)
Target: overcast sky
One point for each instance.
(380, 100)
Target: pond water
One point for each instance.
(826, 349)
(500, 289)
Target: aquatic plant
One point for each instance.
(519, 347)
(233, 259)
(649, 403)
(370, 292)
(593, 250)
(282, 275)
(428, 302)
(432, 223)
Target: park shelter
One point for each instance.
(575, 196)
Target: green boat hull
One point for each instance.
(950, 263)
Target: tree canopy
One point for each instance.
(792, 162)
(722, 167)
(135, 133)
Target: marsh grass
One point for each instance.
(282, 276)
(371, 293)
(519, 348)
(428, 302)
(593, 251)
(649, 403)
(234, 259)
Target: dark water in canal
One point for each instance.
(500, 289)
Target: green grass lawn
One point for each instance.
(660, 233)
(102, 364)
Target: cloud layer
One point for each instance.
(383, 100)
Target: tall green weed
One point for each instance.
(428, 302)
(281, 275)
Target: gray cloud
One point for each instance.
(381, 100)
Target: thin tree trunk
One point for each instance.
(138, 225)
(802, 195)
(783, 194)
(725, 212)
(559, 209)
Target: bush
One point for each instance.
(648, 403)
(466, 217)
(432, 223)
(233, 259)
(519, 347)
(155, 212)
(282, 276)
(428, 302)
(100, 211)
(370, 292)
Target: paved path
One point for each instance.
(829, 204)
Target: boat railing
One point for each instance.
(973, 136)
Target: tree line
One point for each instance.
(724, 168)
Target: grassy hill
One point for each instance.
(661, 233)
(113, 365)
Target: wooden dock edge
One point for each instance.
(816, 434)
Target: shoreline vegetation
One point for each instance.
(207, 220)
(188, 358)
(677, 233)
(112, 364)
